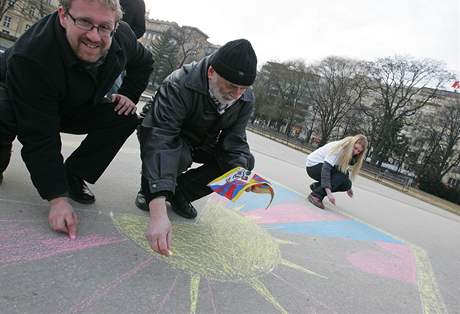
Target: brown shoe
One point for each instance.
(315, 201)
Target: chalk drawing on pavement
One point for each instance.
(390, 257)
(23, 242)
(221, 246)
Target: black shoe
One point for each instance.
(182, 207)
(1, 178)
(79, 191)
(140, 202)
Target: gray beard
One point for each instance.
(214, 92)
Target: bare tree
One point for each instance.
(287, 83)
(173, 48)
(400, 87)
(264, 107)
(280, 92)
(352, 123)
(436, 151)
(291, 86)
(338, 87)
(189, 47)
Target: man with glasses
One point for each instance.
(54, 79)
(199, 114)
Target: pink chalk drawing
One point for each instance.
(287, 213)
(395, 261)
(23, 244)
(105, 289)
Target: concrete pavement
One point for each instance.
(380, 252)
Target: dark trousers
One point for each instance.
(7, 129)
(339, 180)
(106, 132)
(192, 183)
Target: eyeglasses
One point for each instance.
(104, 30)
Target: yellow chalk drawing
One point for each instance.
(194, 285)
(432, 302)
(222, 245)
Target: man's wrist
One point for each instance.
(158, 205)
(150, 196)
(57, 200)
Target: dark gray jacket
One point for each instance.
(183, 116)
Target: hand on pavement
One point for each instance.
(159, 233)
(124, 105)
(62, 218)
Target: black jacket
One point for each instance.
(184, 114)
(134, 15)
(46, 81)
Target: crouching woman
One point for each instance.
(329, 166)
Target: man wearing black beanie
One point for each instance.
(199, 114)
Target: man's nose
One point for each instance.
(237, 92)
(93, 34)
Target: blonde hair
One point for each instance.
(114, 5)
(345, 148)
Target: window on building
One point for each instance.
(11, 3)
(7, 21)
(5, 31)
(27, 26)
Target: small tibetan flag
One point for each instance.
(238, 180)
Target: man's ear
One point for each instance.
(62, 17)
(211, 71)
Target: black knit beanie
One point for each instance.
(236, 62)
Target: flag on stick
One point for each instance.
(233, 183)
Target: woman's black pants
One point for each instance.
(339, 180)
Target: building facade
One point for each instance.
(20, 15)
(194, 43)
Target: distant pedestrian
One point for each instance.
(329, 165)
(134, 15)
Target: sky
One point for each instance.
(313, 30)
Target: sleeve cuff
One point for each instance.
(150, 196)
